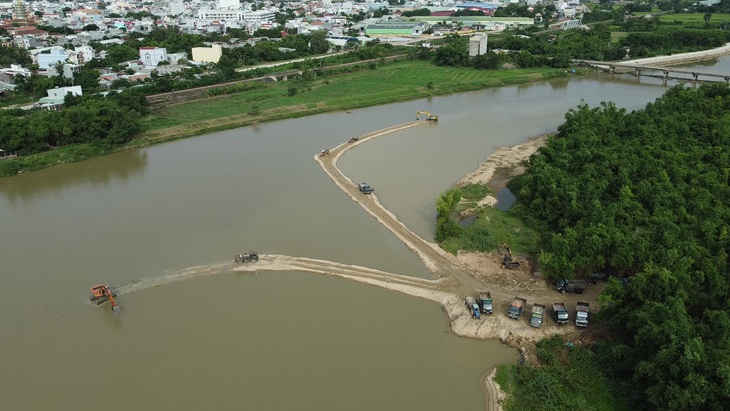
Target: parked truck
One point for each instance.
(485, 298)
(572, 286)
(538, 311)
(581, 314)
(560, 313)
(517, 307)
(472, 306)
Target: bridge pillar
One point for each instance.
(283, 78)
(637, 73)
(695, 75)
(611, 69)
(727, 79)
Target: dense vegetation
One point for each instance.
(569, 377)
(100, 122)
(489, 228)
(646, 194)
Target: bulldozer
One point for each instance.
(102, 293)
(507, 261)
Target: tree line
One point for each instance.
(103, 121)
(646, 194)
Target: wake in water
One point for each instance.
(184, 274)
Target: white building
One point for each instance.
(227, 15)
(54, 56)
(60, 92)
(176, 7)
(152, 56)
(229, 4)
(478, 44)
(259, 16)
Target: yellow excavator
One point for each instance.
(429, 116)
(506, 253)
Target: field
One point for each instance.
(693, 19)
(386, 83)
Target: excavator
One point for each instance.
(506, 253)
(429, 116)
(102, 293)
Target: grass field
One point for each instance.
(398, 81)
(387, 83)
(693, 19)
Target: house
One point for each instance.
(56, 97)
(152, 56)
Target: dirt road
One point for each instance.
(442, 264)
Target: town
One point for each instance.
(63, 38)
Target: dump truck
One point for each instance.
(582, 311)
(485, 298)
(365, 188)
(571, 286)
(472, 306)
(560, 313)
(538, 311)
(517, 307)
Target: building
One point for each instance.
(152, 56)
(395, 29)
(56, 97)
(50, 57)
(478, 44)
(226, 15)
(259, 16)
(208, 54)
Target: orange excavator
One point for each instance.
(102, 293)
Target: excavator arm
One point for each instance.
(101, 293)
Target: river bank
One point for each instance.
(407, 81)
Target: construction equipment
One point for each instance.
(102, 293)
(365, 188)
(507, 261)
(324, 153)
(517, 307)
(430, 117)
(249, 257)
(485, 298)
(571, 286)
(582, 311)
(472, 306)
(538, 311)
(560, 313)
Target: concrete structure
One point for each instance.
(152, 56)
(478, 44)
(208, 54)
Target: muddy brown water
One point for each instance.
(254, 341)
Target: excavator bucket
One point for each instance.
(116, 309)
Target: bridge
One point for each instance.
(652, 71)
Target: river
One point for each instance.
(285, 340)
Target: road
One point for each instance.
(442, 264)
